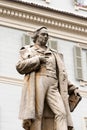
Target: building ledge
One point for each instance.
(28, 18)
(47, 8)
(19, 82)
(83, 83)
(10, 80)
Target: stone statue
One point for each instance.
(45, 78)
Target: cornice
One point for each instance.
(83, 83)
(27, 18)
(10, 80)
(19, 82)
(34, 5)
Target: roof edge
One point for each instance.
(48, 8)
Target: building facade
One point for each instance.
(67, 25)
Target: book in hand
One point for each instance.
(73, 101)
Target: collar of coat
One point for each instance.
(40, 50)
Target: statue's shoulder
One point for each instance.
(54, 51)
(61, 55)
(57, 54)
(26, 47)
(26, 51)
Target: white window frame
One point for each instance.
(84, 123)
(80, 5)
(83, 83)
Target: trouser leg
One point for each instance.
(56, 104)
(39, 100)
(70, 128)
(36, 125)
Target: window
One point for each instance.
(85, 123)
(78, 62)
(86, 58)
(80, 59)
(81, 4)
(53, 44)
(84, 64)
(26, 40)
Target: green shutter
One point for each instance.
(26, 39)
(53, 44)
(78, 62)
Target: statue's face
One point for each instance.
(43, 37)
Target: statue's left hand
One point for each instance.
(76, 92)
(26, 124)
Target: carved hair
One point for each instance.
(34, 37)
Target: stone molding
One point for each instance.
(10, 80)
(83, 83)
(28, 18)
(82, 45)
(19, 82)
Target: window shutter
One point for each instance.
(86, 123)
(86, 58)
(78, 63)
(85, 119)
(26, 39)
(53, 44)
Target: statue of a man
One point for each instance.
(45, 78)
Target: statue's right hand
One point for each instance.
(42, 59)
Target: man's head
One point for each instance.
(41, 36)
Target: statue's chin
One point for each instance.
(43, 43)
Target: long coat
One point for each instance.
(26, 65)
